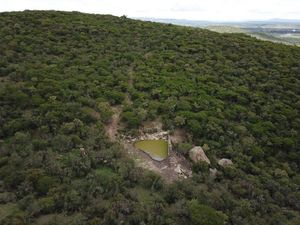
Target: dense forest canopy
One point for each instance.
(60, 74)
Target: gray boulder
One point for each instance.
(197, 154)
(225, 162)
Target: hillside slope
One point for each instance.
(60, 75)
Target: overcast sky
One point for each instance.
(229, 10)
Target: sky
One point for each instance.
(213, 10)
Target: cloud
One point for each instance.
(187, 8)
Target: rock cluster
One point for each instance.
(182, 172)
(82, 151)
(162, 135)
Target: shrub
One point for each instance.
(205, 215)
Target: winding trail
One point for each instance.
(130, 85)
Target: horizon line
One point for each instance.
(280, 20)
(224, 21)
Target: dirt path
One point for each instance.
(130, 73)
(130, 84)
(112, 127)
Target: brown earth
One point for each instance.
(178, 136)
(112, 127)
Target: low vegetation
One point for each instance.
(62, 73)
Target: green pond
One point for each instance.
(156, 149)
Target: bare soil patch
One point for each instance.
(178, 136)
(152, 126)
(112, 127)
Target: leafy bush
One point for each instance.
(205, 215)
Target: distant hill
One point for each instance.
(207, 22)
(278, 20)
(76, 91)
(275, 30)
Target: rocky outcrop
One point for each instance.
(225, 162)
(197, 154)
(162, 135)
(182, 172)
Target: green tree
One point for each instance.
(205, 215)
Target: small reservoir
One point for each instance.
(156, 149)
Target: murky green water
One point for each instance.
(157, 149)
